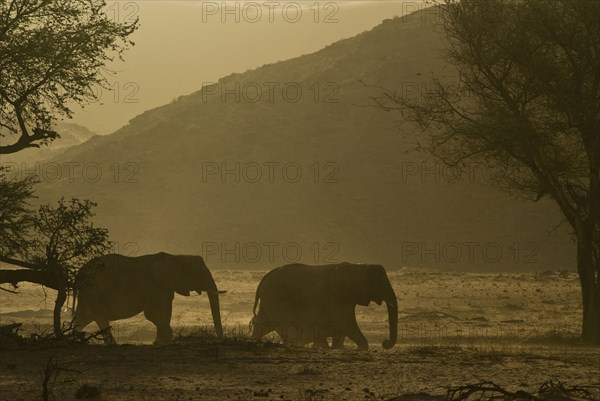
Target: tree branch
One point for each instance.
(14, 277)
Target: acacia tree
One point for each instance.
(63, 239)
(52, 54)
(52, 243)
(14, 213)
(527, 104)
(15, 224)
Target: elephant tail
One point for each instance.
(74, 302)
(256, 299)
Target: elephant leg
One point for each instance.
(339, 336)
(81, 320)
(256, 331)
(350, 328)
(262, 325)
(159, 312)
(258, 327)
(320, 334)
(282, 335)
(292, 333)
(320, 342)
(338, 341)
(104, 326)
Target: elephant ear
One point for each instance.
(171, 275)
(351, 284)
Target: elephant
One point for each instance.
(113, 287)
(307, 304)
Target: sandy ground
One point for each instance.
(518, 330)
(193, 371)
(432, 306)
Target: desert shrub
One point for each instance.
(13, 336)
(549, 391)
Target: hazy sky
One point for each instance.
(182, 44)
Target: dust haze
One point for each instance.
(274, 214)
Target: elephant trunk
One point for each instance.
(392, 305)
(213, 297)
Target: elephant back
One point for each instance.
(102, 271)
(294, 283)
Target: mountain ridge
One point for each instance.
(362, 192)
(71, 135)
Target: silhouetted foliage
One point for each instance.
(52, 53)
(64, 239)
(15, 220)
(550, 390)
(528, 106)
(52, 243)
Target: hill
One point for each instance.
(70, 135)
(292, 158)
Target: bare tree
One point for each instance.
(528, 105)
(51, 56)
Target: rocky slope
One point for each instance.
(293, 157)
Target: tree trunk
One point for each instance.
(61, 297)
(35, 274)
(587, 266)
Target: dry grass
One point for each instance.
(232, 335)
